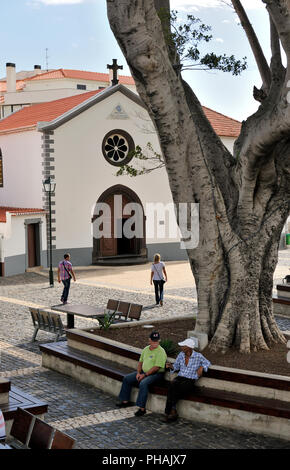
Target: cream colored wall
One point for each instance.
(83, 174)
(229, 143)
(22, 170)
(16, 243)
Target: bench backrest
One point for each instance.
(135, 311)
(22, 425)
(41, 435)
(56, 322)
(62, 441)
(34, 315)
(113, 305)
(44, 319)
(123, 308)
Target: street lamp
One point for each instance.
(49, 187)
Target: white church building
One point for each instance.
(80, 142)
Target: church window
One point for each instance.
(81, 87)
(117, 147)
(1, 170)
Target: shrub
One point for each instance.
(169, 346)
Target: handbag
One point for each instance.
(286, 279)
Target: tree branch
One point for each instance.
(255, 45)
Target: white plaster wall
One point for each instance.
(229, 143)
(83, 174)
(22, 170)
(16, 244)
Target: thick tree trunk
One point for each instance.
(244, 200)
(238, 299)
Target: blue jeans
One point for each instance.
(65, 292)
(130, 381)
(158, 290)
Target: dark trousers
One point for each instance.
(158, 290)
(65, 291)
(178, 388)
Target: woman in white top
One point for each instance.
(157, 271)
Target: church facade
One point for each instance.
(80, 142)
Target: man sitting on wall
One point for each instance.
(150, 369)
(190, 365)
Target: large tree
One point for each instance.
(244, 198)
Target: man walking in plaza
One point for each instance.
(65, 272)
(150, 369)
(190, 365)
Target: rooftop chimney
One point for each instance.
(10, 77)
(37, 69)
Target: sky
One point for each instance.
(77, 35)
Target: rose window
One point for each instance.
(116, 147)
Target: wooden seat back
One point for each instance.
(22, 425)
(34, 316)
(56, 322)
(62, 441)
(113, 305)
(44, 320)
(41, 435)
(123, 309)
(135, 311)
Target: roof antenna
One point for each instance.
(46, 58)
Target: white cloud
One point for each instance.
(219, 40)
(196, 4)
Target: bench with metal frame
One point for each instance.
(30, 432)
(46, 321)
(119, 311)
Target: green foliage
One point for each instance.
(106, 321)
(169, 346)
(185, 40)
(156, 161)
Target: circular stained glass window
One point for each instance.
(117, 146)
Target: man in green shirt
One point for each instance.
(150, 369)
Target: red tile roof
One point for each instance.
(223, 125)
(81, 75)
(29, 116)
(17, 211)
(19, 86)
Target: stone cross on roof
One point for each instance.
(115, 67)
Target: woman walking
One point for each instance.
(157, 271)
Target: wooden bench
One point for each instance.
(217, 397)
(281, 305)
(30, 432)
(123, 311)
(47, 321)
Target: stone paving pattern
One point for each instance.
(85, 413)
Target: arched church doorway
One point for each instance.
(119, 228)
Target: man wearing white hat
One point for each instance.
(190, 365)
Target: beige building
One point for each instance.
(19, 89)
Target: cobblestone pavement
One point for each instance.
(82, 411)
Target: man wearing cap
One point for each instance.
(150, 369)
(190, 365)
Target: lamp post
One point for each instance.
(49, 187)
